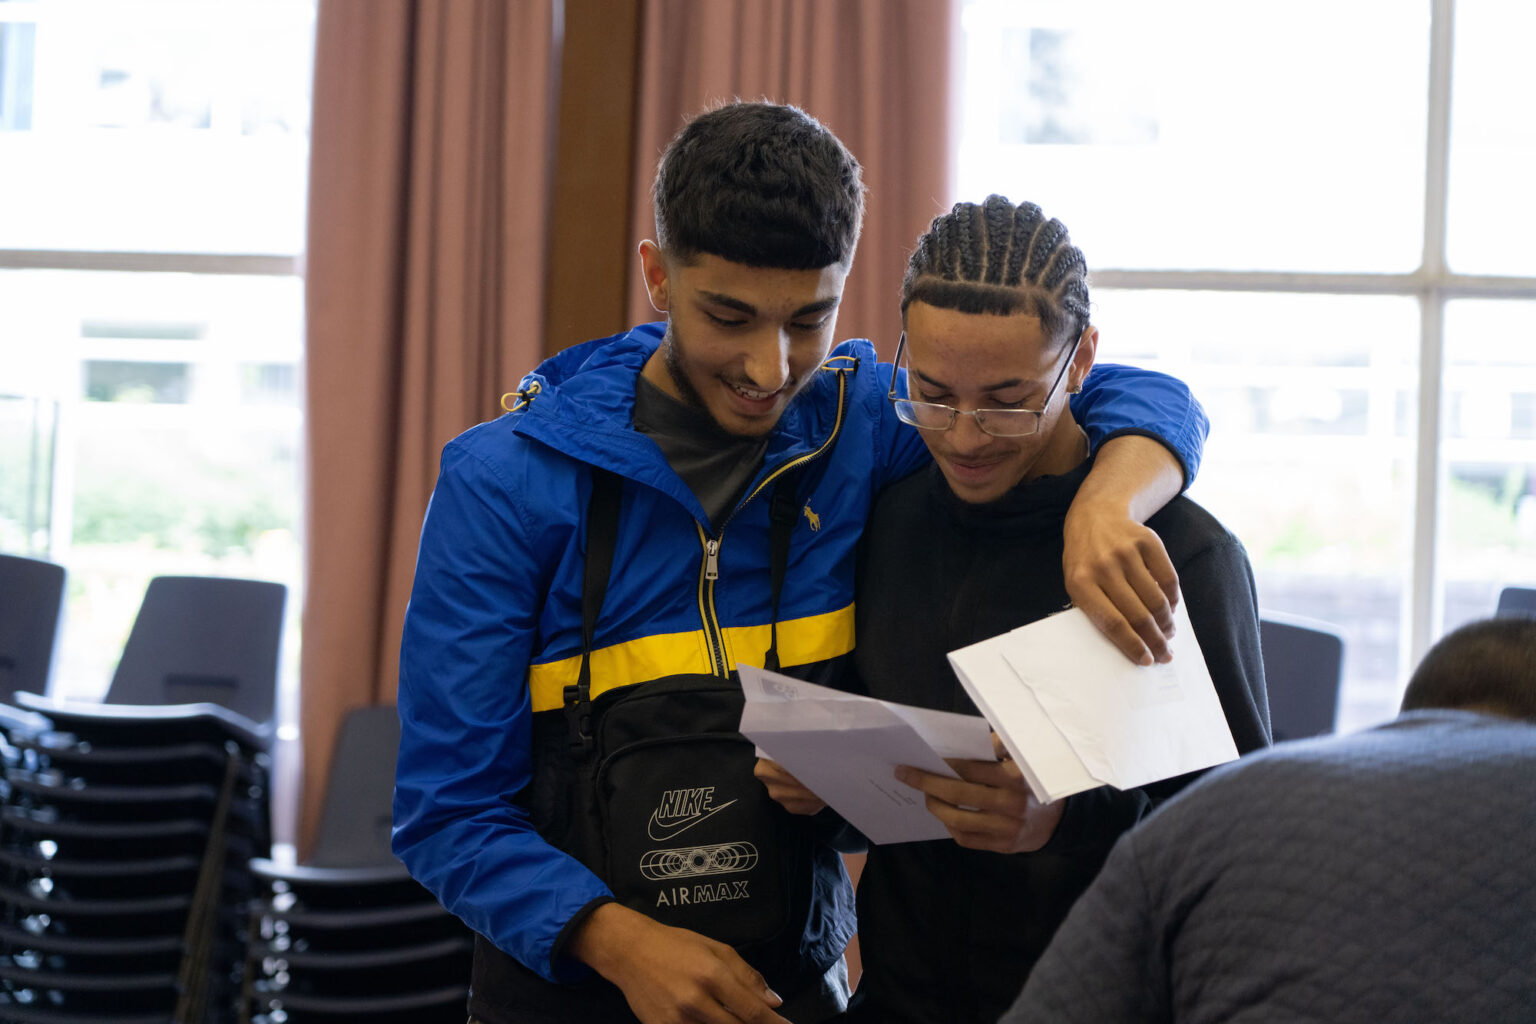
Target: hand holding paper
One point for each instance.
(845, 748)
(786, 790)
(989, 807)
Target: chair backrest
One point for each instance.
(203, 639)
(1303, 669)
(31, 602)
(1519, 601)
(355, 818)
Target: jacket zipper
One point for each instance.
(709, 569)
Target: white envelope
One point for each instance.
(1075, 713)
(845, 749)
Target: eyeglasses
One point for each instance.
(997, 422)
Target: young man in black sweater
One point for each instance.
(995, 305)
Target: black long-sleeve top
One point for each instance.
(950, 934)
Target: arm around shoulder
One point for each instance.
(1115, 568)
(1118, 400)
(1149, 432)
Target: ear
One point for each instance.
(1087, 349)
(653, 267)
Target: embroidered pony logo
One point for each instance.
(812, 518)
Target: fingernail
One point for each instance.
(773, 996)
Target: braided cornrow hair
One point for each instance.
(1000, 258)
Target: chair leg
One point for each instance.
(202, 918)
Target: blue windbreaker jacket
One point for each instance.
(493, 630)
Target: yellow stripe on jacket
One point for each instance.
(801, 642)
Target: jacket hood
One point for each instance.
(594, 354)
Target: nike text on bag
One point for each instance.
(690, 835)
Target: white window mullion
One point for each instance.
(151, 262)
(1423, 609)
(1425, 593)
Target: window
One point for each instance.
(1325, 234)
(155, 126)
(153, 160)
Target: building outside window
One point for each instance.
(1326, 234)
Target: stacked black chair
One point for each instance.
(31, 603)
(1303, 671)
(31, 600)
(348, 936)
(1517, 602)
(128, 827)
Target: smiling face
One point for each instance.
(990, 361)
(741, 341)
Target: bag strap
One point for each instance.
(782, 513)
(602, 537)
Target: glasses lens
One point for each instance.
(924, 414)
(1008, 422)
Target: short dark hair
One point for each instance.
(995, 257)
(761, 184)
(1486, 665)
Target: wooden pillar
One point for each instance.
(590, 254)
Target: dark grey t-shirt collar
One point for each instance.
(716, 466)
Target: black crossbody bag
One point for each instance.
(662, 804)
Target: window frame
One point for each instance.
(1433, 285)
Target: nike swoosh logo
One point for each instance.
(668, 831)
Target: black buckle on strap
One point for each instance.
(578, 718)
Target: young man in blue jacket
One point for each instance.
(703, 419)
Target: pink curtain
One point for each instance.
(876, 72)
(425, 283)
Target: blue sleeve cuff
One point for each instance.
(1119, 400)
(562, 966)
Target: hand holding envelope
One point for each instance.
(1076, 714)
